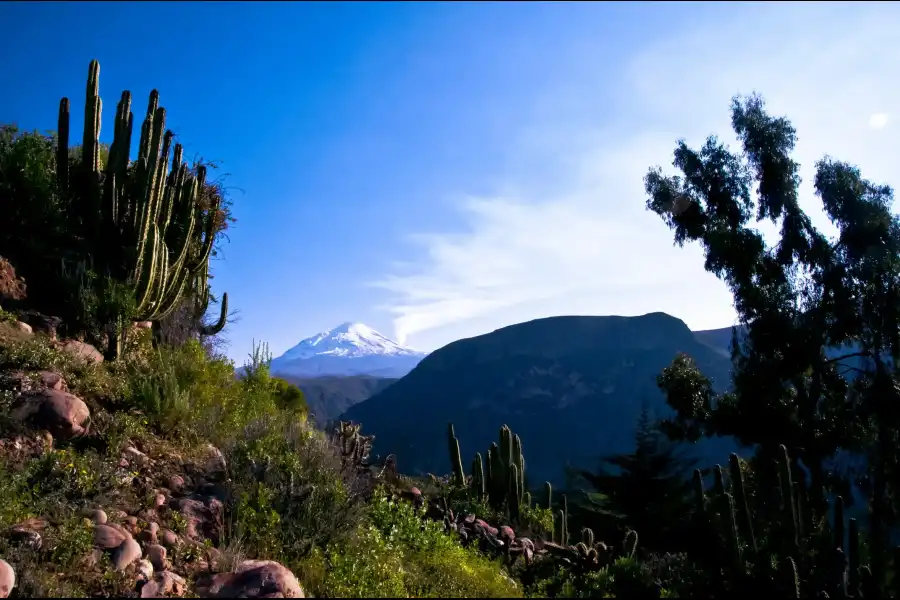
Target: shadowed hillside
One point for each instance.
(329, 397)
(572, 386)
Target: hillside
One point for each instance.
(329, 397)
(571, 386)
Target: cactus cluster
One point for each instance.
(839, 571)
(146, 223)
(353, 447)
(501, 479)
(591, 555)
(560, 520)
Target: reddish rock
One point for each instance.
(53, 381)
(60, 413)
(7, 579)
(164, 584)
(169, 538)
(157, 556)
(176, 483)
(252, 579)
(128, 552)
(82, 350)
(108, 537)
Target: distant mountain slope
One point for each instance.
(329, 397)
(348, 349)
(571, 387)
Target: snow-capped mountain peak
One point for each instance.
(349, 348)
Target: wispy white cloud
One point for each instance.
(583, 243)
(878, 120)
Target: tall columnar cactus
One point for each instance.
(459, 477)
(500, 460)
(740, 497)
(564, 521)
(478, 481)
(790, 502)
(515, 493)
(839, 569)
(146, 225)
(838, 528)
(699, 493)
(853, 557)
(548, 493)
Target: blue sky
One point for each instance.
(438, 170)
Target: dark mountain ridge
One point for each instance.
(571, 387)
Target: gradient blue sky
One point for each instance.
(438, 170)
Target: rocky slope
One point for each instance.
(572, 387)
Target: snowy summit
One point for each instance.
(348, 349)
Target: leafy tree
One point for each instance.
(820, 317)
(646, 490)
(289, 396)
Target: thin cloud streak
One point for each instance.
(589, 246)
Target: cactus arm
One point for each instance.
(220, 324)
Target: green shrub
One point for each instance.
(435, 565)
(190, 394)
(291, 492)
(288, 396)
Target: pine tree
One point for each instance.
(645, 489)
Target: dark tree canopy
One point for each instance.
(819, 316)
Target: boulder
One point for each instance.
(252, 579)
(157, 556)
(58, 412)
(164, 584)
(108, 537)
(128, 552)
(7, 579)
(82, 350)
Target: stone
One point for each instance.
(176, 483)
(108, 537)
(215, 460)
(135, 455)
(98, 516)
(53, 381)
(157, 556)
(7, 579)
(23, 327)
(145, 569)
(169, 538)
(164, 584)
(60, 413)
(128, 552)
(252, 579)
(82, 350)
